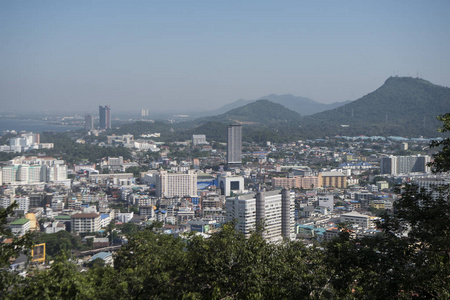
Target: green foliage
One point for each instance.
(62, 281)
(10, 251)
(58, 242)
(442, 158)
(72, 152)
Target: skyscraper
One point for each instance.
(234, 145)
(88, 122)
(105, 117)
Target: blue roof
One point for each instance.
(102, 255)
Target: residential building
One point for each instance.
(395, 165)
(89, 222)
(273, 210)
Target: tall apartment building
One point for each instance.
(234, 145)
(394, 165)
(105, 117)
(176, 184)
(274, 210)
(88, 122)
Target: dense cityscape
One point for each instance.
(224, 149)
(306, 191)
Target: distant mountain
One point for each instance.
(401, 106)
(259, 112)
(301, 105)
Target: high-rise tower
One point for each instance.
(88, 122)
(105, 117)
(234, 145)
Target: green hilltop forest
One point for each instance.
(153, 265)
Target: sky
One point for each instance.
(199, 55)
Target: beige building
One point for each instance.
(301, 182)
(333, 179)
(85, 222)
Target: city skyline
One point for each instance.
(181, 56)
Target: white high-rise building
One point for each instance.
(176, 184)
(394, 165)
(273, 210)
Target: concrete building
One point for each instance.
(89, 222)
(333, 179)
(234, 145)
(170, 185)
(199, 139)
(273, 210)
(20, 227)
(230, 184)
(355, 218)
(105, 117)
(300, 182)
(394, 165)
(88, 122)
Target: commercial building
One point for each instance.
(170, 185)
(105, 117)
(234, 145)
(230, 184)
(273, 210)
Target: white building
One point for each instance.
(169, 185)
(231, 184)
(355, 218)
(273, 210)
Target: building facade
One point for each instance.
(273, 210)
(104, 117)
(89, 222)
(234, 145)
(170, 185)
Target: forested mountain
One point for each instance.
(401, 106)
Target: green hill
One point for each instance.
(258, 112)
(401, 106)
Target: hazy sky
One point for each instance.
(76, 55)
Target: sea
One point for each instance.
(35, 126)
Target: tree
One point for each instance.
(10, 251)
(442, 158)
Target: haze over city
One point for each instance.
(178, 55)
